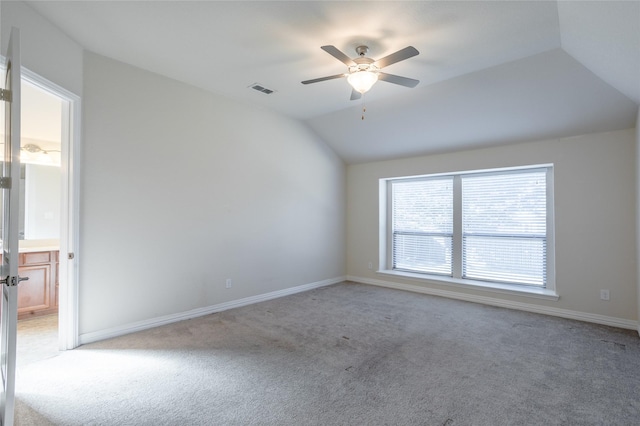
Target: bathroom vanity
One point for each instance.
(38, 260)
(38, 295)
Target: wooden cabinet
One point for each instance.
(38, 295)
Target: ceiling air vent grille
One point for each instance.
(261, 88)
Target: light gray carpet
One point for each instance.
(348, 354)
(37, 339)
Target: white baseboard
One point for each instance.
(194, 313)
(564, 313)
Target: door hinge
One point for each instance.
(13, 281)
(5, 182)
(5, 95)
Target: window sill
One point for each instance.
(511, 289)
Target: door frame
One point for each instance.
(68, 302)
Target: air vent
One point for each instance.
(261, 88)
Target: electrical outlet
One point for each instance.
(370, 265)
(604, 294)
(228, 283)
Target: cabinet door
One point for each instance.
(34, 294)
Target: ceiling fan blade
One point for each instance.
(396, 79)
(333, 51)
(400, 55)
(355, 95)
(316, 80)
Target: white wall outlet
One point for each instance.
(370, 265)
(604, 294)
(228, 283)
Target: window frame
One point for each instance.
(391, 229)
(386, 237)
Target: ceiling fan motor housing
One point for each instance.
(362, 50)
(363, 64)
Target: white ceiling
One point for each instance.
(491, 72)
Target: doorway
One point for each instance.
(47, 303)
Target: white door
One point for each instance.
(10, 183)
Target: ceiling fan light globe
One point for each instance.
(362, 81)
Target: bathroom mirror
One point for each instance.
(39, 202)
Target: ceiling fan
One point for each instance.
(363, 72)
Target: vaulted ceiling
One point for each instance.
(491, 72)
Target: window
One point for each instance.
(474, 227)
(423, 225)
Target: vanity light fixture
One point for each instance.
(32, 153)
(33, 148)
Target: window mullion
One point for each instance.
(550, 279)
(457, 228)
(386, 262)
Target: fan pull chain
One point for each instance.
(364, 107)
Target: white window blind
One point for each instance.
(504, 227)
(422, 225)
(491, 225)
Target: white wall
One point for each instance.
(45, 49)
(638, 208)
(594, 216)
(183, 189)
